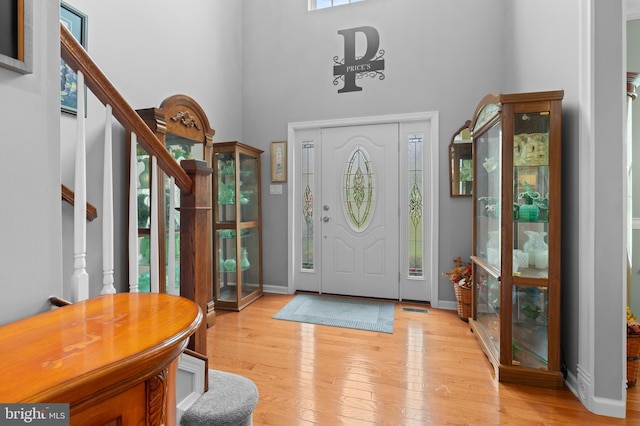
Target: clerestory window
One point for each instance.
(323, 4)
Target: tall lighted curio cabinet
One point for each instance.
(182, 126)
(237, 225)
(517, 235)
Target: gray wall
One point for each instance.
(30, 269)
(551, 63)
(431, 64)
(609, 110)
(540, 60)
(633, 64)
(150, 50)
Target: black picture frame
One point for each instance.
(16, 35)
(76, 22)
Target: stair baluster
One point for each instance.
(154, 256)
(107, 206)
(80, 278)
(171, 249)
(133, 216)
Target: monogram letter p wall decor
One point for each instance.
(353, 67)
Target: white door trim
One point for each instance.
(293, 208)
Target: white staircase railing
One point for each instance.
(192, 177)
(80, 277)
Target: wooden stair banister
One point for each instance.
(78, 59)
(191, 177)
(67, 195)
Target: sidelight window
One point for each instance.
(308, 174)
(415, 191)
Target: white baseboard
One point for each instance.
(184, 405)
(582, 387)
(190, 383)
(275, 289)
(448, 305)
(278, 289)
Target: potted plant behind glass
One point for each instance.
(461, 277)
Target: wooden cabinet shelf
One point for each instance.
(516, 235)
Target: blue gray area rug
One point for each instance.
(340, 312)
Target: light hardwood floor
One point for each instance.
(430, 371)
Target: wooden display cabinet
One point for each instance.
(182, 126)
(237, 231)
(517, 235)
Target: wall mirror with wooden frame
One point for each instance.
(461, 162)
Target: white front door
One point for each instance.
(360, 211)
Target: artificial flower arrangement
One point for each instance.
(633, 327)
(633, 348)
(461, 273)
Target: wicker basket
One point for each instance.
(633, 359)
(463, 297)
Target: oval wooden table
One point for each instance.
(113, 358)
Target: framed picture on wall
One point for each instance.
(16, 34)
(76, 22)
(279, 161)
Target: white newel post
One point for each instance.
(154, 264)
(171, 262)
(107, 207)
(80, 278)
(133, 216)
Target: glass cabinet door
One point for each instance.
(248, 188)
(487, 305)
(180, 149)
(226, 199)
(227, 265)
(531, 188)
(530, 327)
(488, 179)
(238, 276)
(143, 186)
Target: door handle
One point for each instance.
(326, 219)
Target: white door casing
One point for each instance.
(424, 288)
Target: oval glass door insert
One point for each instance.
(358, 194)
